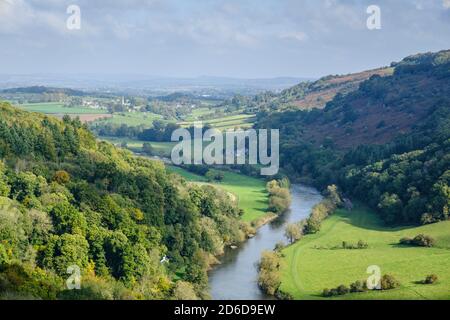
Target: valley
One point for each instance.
(96, 187)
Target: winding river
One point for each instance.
(236, 277)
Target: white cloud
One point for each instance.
(296, 35)
(446, 4)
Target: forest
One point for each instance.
(134, 230)
(386, 143)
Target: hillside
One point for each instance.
(66, 199)
(385, 143)
(306, 95)
(42, 90)
(311, 95)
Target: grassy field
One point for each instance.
(134, 119)
(227, 122)
(251, 192)
(309, 266)
(197, 113)
(162, 149)
(58, 108)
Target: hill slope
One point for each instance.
(67, 200)
(386, 143)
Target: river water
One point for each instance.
(236, 277)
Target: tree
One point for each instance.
(389, 282)
(67, 219)
(184, 291)
(64, 251)
(61, 177)
(293, 232)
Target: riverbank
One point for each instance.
(250, 192)
(237, 275)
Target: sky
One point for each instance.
(231, 38)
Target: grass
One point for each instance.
(134, 119)
(227, 122)
(58, 108)
(306, 270)
(197, 113)
(251, 192)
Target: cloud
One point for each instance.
(296, 35)
(234, 37)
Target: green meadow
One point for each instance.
(250, 192)
(311, 265)
(134, 119)
(58, 108)
(227, 122)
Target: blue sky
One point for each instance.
(236, 38)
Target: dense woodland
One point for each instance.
(135, 231)
(386, 143)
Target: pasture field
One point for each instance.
(251, 192)
(197, 113)
(227, 122)
(58, 108)
(162, 149)
(133, 119)
(312, 264)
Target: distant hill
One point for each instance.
(42, 90)
(387, 143)
(309, 95)
(378, 110)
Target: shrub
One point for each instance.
(279, 197)
(342, 290)
(388, 282)
(293, 232)
(360, 245)
(327, 293)
(431, 279)
(61, 177)
(357, 286)
(280, 246)
(269, 272)
(420, 241)
(423, 241)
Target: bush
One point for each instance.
(61, 177)
(350, 246)
(431, 279)
(388, 282)
(269, 278)
(424, 241)
(339, 291)
(358, 286)
(321, 211)
(342, 290)
(327, 293)
(420, 241)
(279, 197)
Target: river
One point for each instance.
(236, 277)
